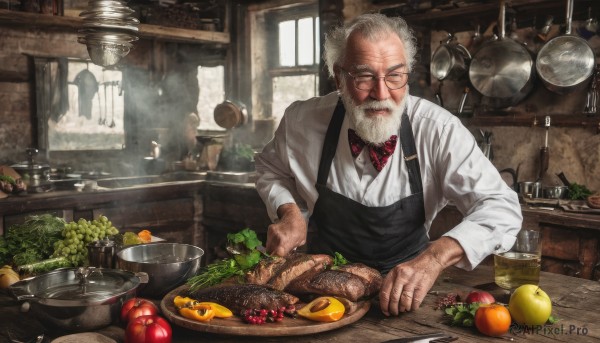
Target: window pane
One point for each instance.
(287, 89)
(287, 43)
(94, 119)
(212, 92)
(317, 42)
(305, 41)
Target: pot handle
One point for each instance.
(20, 294)
(143, 276)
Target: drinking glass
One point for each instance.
(522, 263)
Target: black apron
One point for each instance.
(380, 237)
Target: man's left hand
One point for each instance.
(404, 288)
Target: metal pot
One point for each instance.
(35, 175)
(530, 189)
(502, 69)
(556, 192)
(78, 299)
(566, 63)
(450, 60)
(230, 114)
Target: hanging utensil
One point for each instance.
(502, 70)
(589, 27)
(450, 61)
(592, 95)
(566, 63)
(544, 153)
(105, 103)
(112, 101)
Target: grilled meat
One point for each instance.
(264, 270)
(372, 277)
(333, 283)
(296, 265)
(245, 296)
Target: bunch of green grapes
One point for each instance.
(77, 235)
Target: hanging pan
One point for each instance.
(502, 69)
(449, 61)
(566, 63)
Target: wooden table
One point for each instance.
(576, 302)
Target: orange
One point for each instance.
(492, 319)
(145, 236)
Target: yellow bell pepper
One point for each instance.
(220, 310)
(180, 302)
(200, 313)
(323, 309)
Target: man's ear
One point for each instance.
(336, 76)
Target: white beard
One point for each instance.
(375, 130)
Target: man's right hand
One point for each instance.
(288, 233)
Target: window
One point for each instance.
(80, 105)
(211, 81)
(294, 66)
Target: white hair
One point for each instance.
(372, 26)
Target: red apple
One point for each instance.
(136, 307)
(148, 329)
(481, 297)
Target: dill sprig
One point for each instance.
(215, 273)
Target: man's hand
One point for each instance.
(288, 233)
(407, 284)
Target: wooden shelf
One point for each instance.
(463, 18)
(72, 24)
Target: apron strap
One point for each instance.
(407, 140)
(331, 142)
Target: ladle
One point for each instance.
(112, 101)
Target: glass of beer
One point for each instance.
(522, 263)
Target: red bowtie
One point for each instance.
(379, 154)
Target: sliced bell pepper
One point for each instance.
(200, 313)
(180, 302)
(220, 310)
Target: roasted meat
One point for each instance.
(245, 296)
(296, 265)
(333, 283)
(264, 270)
(372, 277)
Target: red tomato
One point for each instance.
(148, 329)
(136, 307)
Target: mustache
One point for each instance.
(377, 105)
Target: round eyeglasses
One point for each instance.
(366, 81)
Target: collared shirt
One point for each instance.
(453, 168)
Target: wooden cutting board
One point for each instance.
(235, 326)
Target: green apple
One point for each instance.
(529, 305)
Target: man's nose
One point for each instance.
(380, 91)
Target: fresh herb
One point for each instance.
(31, 241)
(8, 178)
(339, 260)
(462, 314)
(215, 273)
(242, 246)
(578, 192)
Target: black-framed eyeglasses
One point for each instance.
(365, 81)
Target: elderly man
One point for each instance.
(370, 167)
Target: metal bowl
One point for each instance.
(556, 192)
(168, 265)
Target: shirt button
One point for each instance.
(498, 246)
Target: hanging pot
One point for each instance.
(502, 69)
(230, 114)
(566, 63)
(450, 60)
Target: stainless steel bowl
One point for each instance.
(556, 192)
(168, 265)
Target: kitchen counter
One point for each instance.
(575, 303)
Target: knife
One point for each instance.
(426, 338)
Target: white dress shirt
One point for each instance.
(453, 168)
